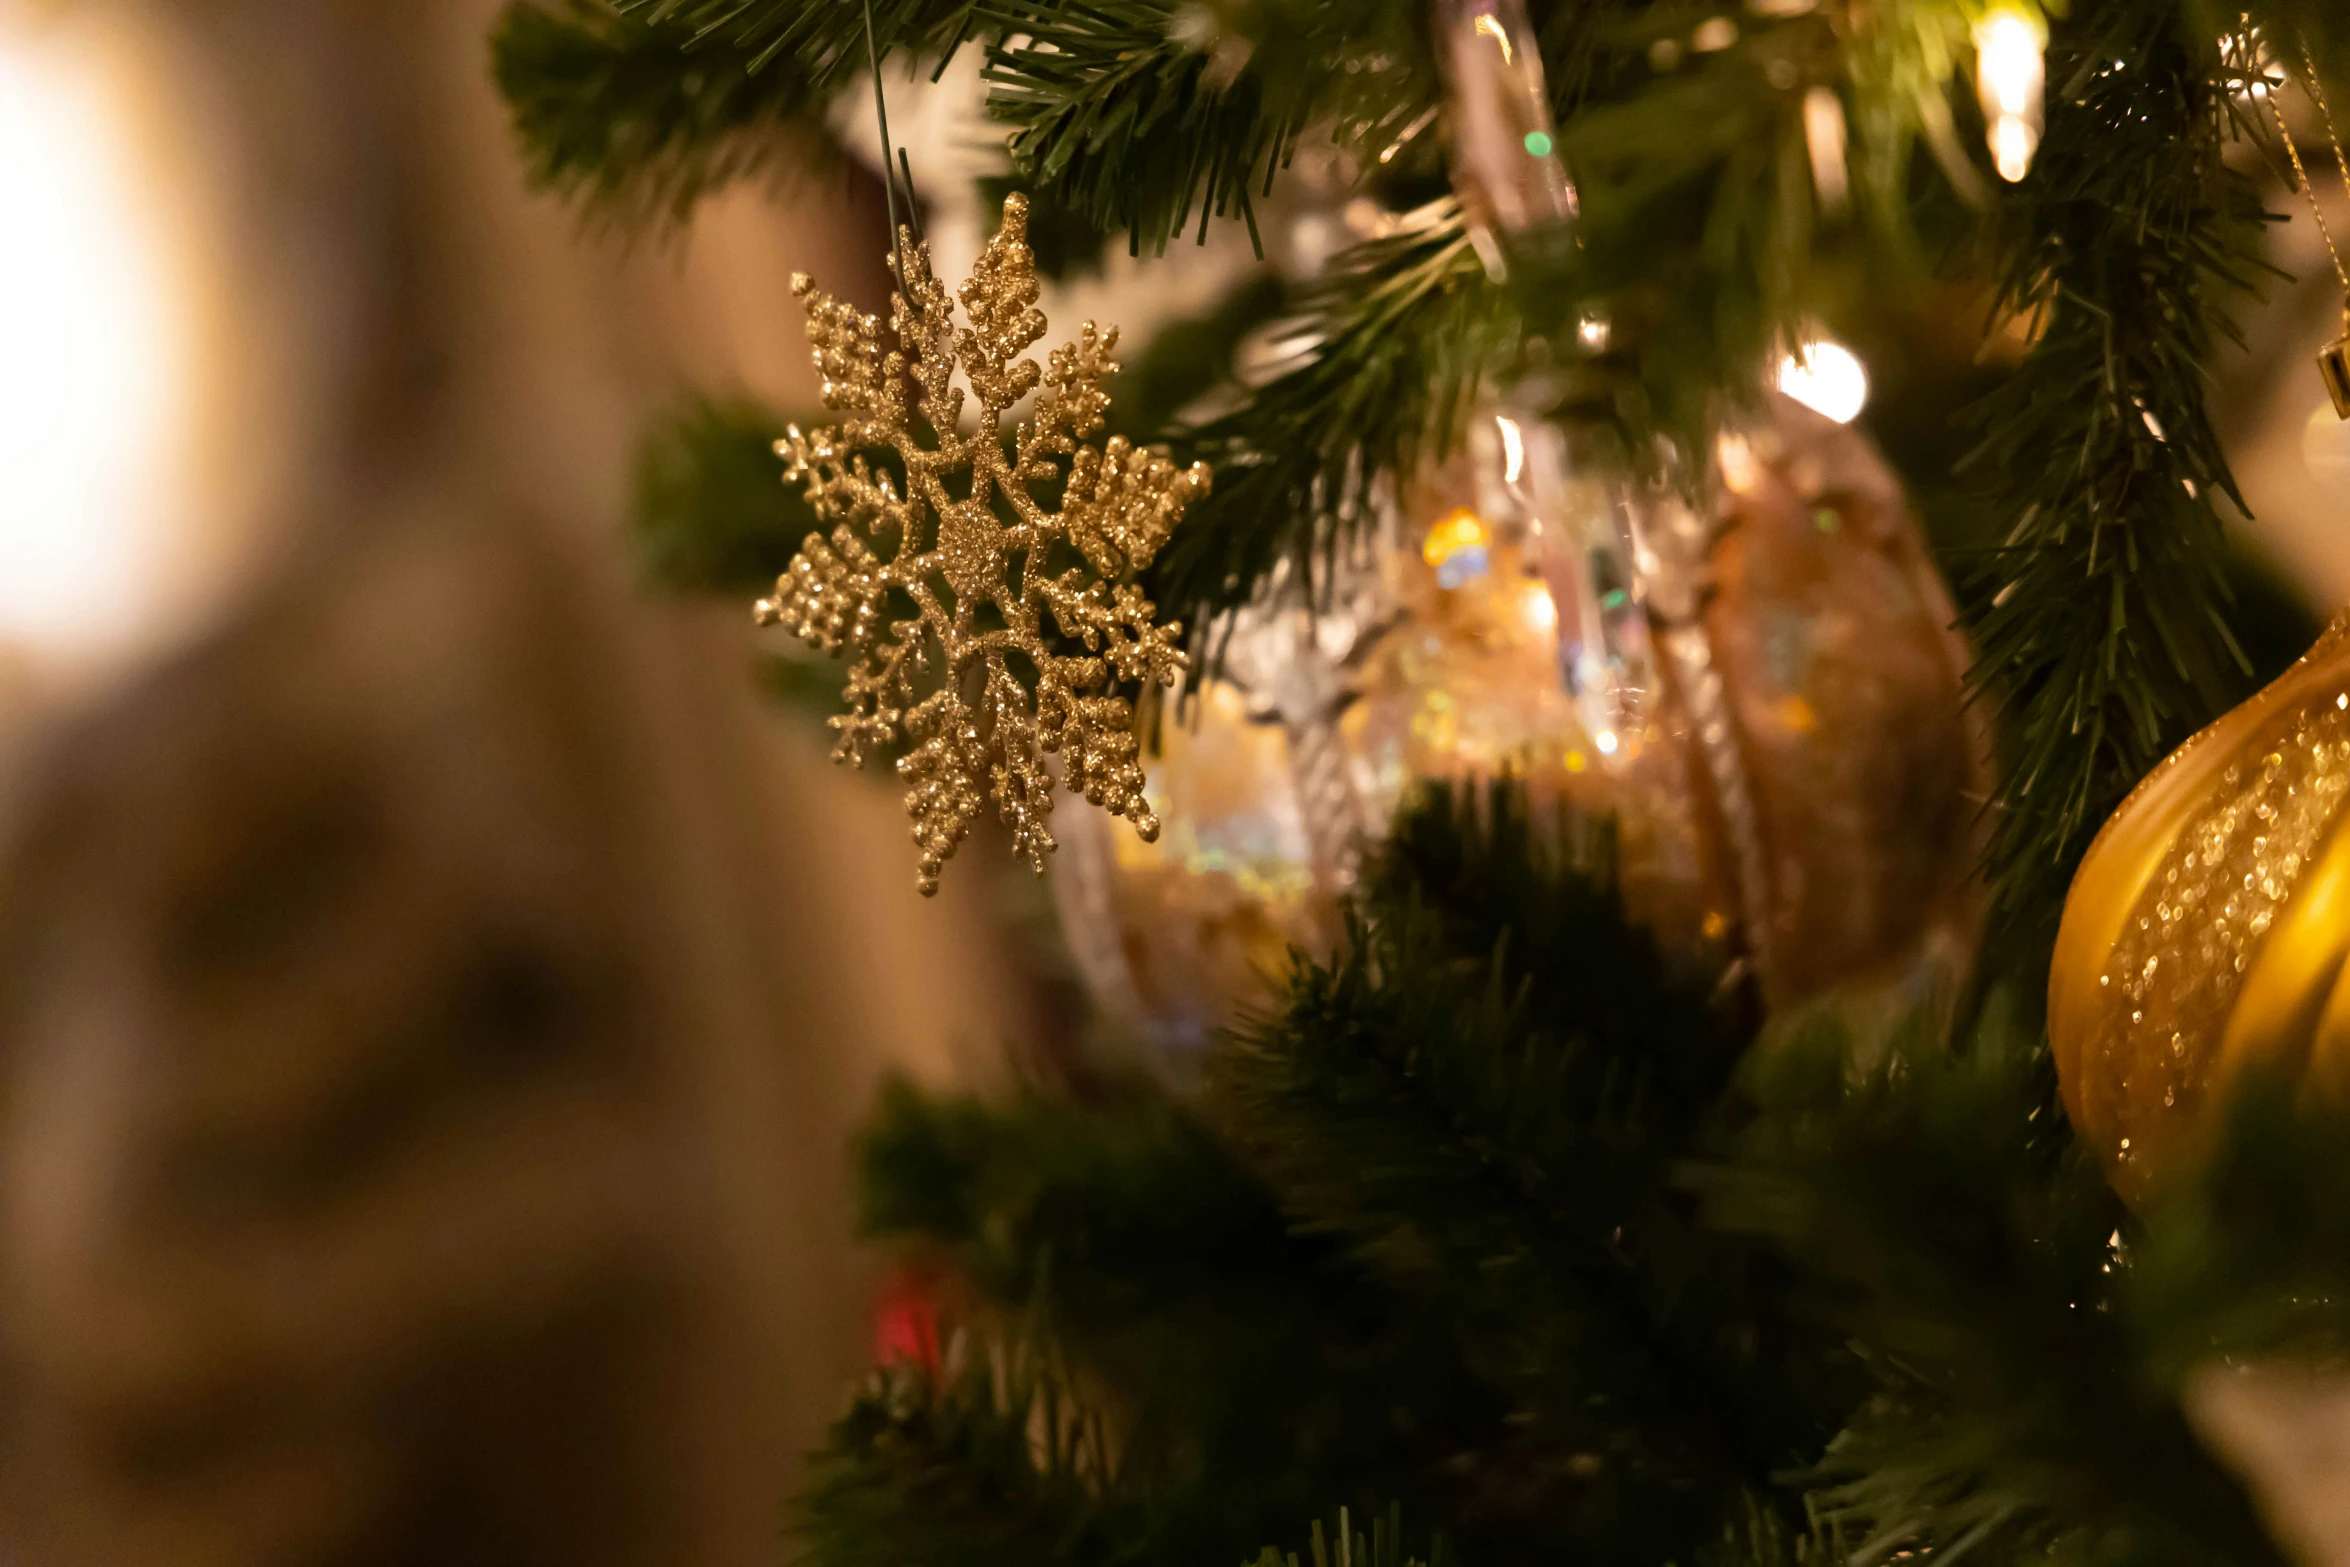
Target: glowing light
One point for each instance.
(2011, 77)
(1513, 449)
(1593, 331)
(1491, 27)
(1540, 609)
(90, 360)
(2013, 142)
(1607, 742)
(1538, 143)
(1827, 378)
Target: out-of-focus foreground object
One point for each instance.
(393, 1091)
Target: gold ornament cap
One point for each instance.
(2333, 362)
(2207, 929)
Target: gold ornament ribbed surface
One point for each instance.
(2207, 930)
(986, 630)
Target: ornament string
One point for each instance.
(2276, 109)
(893, 161)
(2334, 362)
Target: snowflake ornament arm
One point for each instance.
(987, 630)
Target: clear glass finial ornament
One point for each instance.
(1506, 163)
(1569, 494)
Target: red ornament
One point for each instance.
(905, 1320)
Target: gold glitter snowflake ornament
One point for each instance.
(989, 632)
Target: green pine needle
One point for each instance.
(2100, 625)
(637, 120)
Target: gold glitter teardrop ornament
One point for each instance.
(989, 632)
(2207, 929)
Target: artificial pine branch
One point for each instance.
(1486, 1097)
(1252, 1374)
(711, 512)
(638, 109)
(992, 1463)
(1346, 1546)
(2250, 1259)
(1706, 241)
(828, 40)
(1140, 114)
(1703, 243)
(1940, 1214)
(638, 119)
(1408, 327)
(2099, 625)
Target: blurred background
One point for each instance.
(269, 272)
(270, 275)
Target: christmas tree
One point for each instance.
(1650, 1150)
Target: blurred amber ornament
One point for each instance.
(2207, 928)
(1847, 767)
(1766, 698)
(1767, 695)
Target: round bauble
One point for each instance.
(1519, 643)
(1810, 645)
(1171, 936)
(1764, 694)
(2207, 928)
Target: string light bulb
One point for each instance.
(2011, 76)
(1827, 378)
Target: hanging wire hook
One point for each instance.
(893, 161)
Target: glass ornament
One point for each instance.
(1763, 691)
(1810, 646)
(1506, 161)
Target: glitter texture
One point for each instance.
(1023, 624)
(2194, 912)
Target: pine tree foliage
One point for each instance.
(1406, 326)
(1941, 1216)
(1122, 1225)
(1129, 117)
(711, 513)
(1702, 243)
(2252, 1260)
(2101, 620)
(1496, 1219)
(1488, 1098)
(638, 119)
(992, 1465)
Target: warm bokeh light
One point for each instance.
(1826, 378)
(1456, 548)
(91, 358)
(2011, 76)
